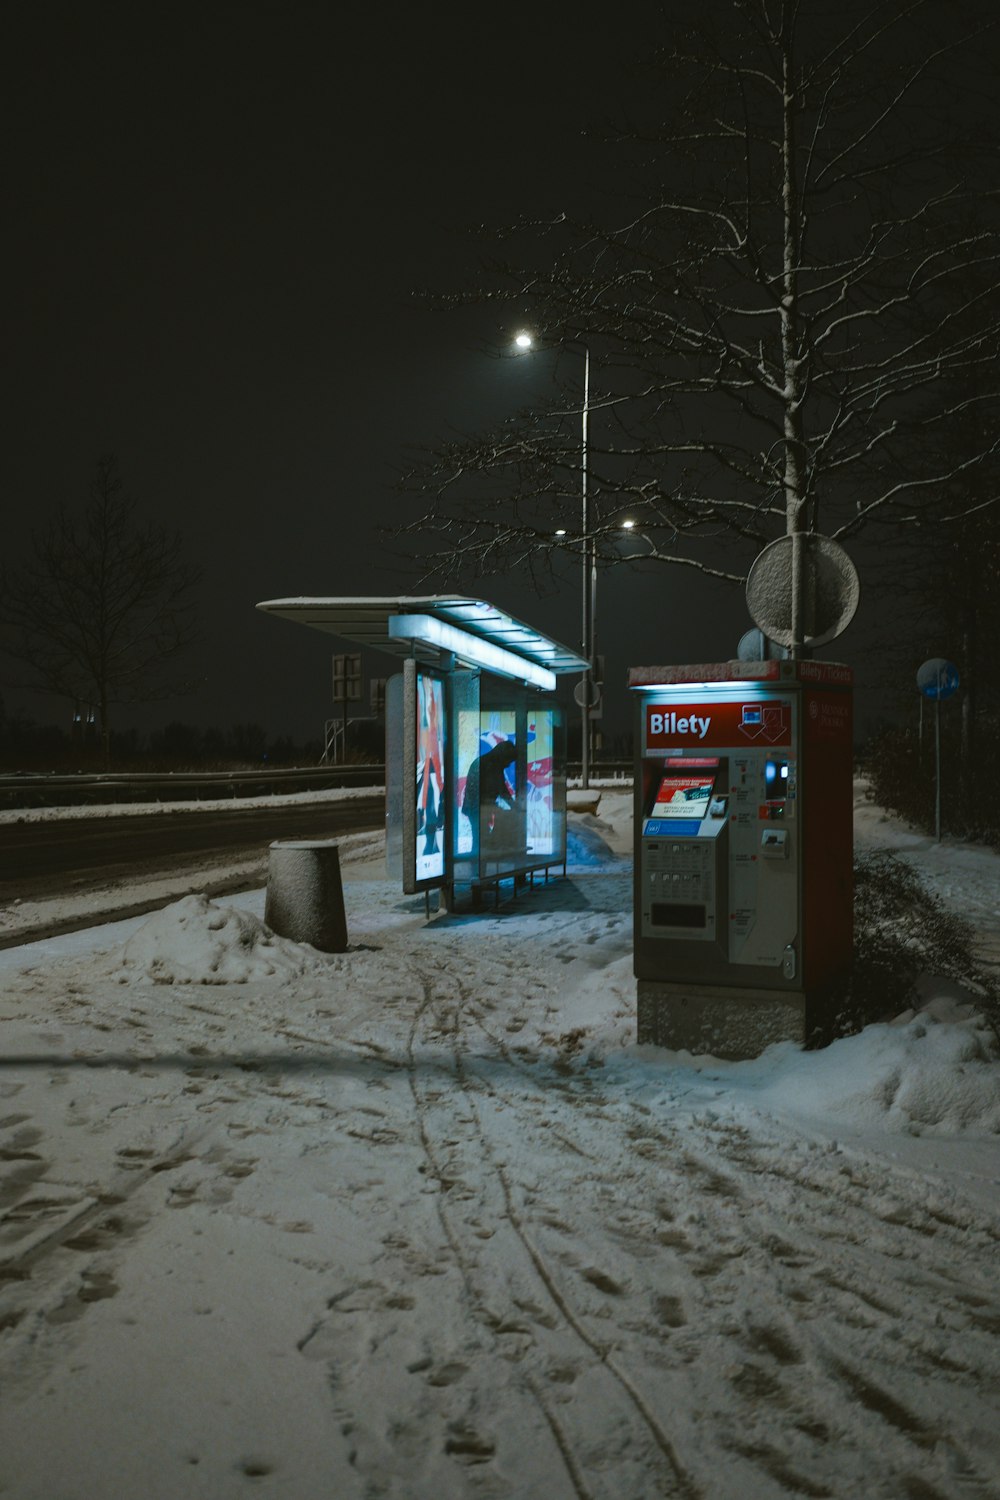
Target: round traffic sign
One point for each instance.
(829, 588)
(580, 694)
(755, 646)
(938, 678)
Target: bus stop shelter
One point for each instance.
(475, 740)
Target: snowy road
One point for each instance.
(54, 856)
(421, 1221)
(66, 867)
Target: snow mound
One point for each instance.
(602, 838)
(921, 1077)
(587, 843)
(195, 941)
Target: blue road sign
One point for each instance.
(938, 678)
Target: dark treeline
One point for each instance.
(900, 765)
(28, 746)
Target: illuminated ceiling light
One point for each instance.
(711, 692)
(627, 525)
(524, 340)
(432, 631)
(561, 531)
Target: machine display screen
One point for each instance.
(673, 914)
(776, 780)
(683, 796)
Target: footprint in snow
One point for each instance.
(602, 1281)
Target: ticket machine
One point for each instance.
(744, 847)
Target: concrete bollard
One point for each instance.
(305, 897)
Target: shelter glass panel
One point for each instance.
(508, 774)
(545, 783)
(464, 747)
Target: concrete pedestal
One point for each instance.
(305, 896)
(725, 1022)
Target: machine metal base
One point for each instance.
(725, 1022)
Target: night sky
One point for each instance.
(219, 216)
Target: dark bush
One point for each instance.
(900, 770)
(900, 776)
(902, 931)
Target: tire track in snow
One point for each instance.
(774, 1464)
(820, 1255)
(829, 1347)
(467, 1263)
(928, 1312)
(680, 1482)
(824, 1271)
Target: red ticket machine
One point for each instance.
(743, 852)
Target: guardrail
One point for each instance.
(40, 789)
(51, 789)
(607, 770)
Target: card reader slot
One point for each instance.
(677, 914)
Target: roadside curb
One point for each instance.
(103, 917)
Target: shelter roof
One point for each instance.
(365, 621)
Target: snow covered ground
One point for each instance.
(421, 1220)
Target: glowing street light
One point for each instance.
(524, 341)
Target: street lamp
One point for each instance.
(524, 341)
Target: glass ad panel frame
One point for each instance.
(543, 825)
(464, 750)
(461, 824)
(425, 779)
(394, 783)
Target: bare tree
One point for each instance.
(783, 328)
(944, 585)
(102, 606)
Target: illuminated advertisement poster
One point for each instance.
(468, 752)
(487, 788)
(430, 787)
(683, 797)
(541, 819)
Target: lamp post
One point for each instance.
(524, 341)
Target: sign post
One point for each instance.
(346, 687)
(937, 679)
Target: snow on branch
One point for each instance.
(798, 319)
